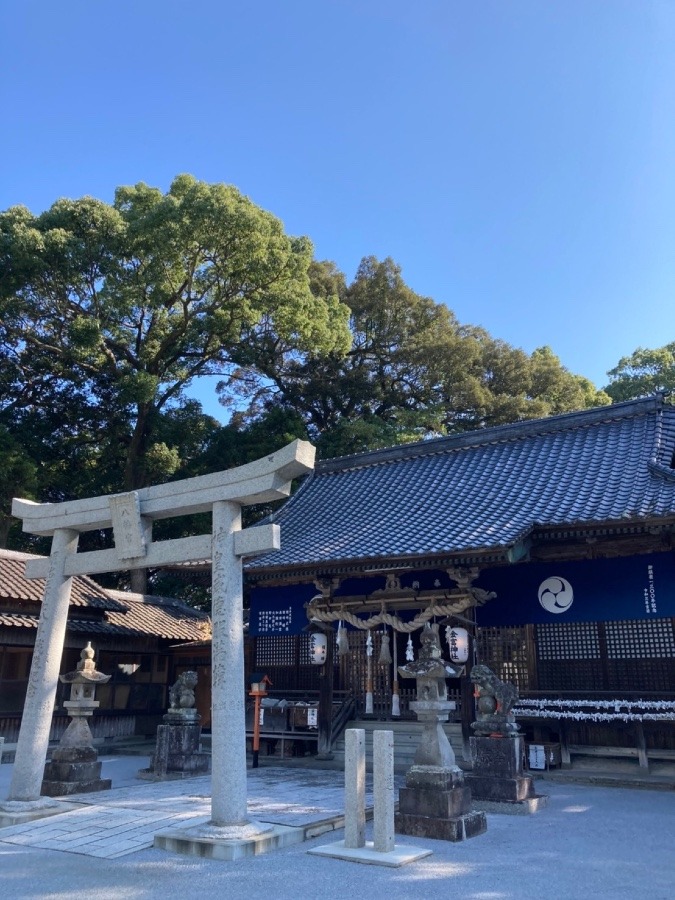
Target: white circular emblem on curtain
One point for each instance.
(556, 594)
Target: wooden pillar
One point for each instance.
(468, 708)
(325, 712)
(641, 746)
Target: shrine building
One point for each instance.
(550, 541)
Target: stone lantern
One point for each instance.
(435, 802)
(74, 768)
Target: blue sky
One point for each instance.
(515, 157)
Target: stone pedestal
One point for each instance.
(73, 770)
(497, 780)
(177, 752)
(436, 803)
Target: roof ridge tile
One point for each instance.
(494, 434)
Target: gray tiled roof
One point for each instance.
(85, 591)
(483, 491)
(119, 613)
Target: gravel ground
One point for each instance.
(589, 841)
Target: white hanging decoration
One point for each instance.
(385, 653)
(369, 674)
(409, 652)
(591, 710)
(395, 698)
(342, 640)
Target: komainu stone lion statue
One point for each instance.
(182, 693)
(495, 700)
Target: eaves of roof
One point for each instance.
(119, 625)
(14, 585)
(117, 612)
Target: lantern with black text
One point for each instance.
(458, 642)
(318, 647)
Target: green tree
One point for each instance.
(504, 384)
(385, 389)
(115, 309)
(412, 371)
(17, 476)
(643, 372)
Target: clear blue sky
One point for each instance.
(515, 157)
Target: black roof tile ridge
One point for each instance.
(665, 429)
(661, 433)
(152, 600)
(655, 458)
(495, 434)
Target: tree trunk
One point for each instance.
(325, 711)
(5, 525)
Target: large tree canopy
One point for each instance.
(412, 371)
(108, 312)
(643, 372)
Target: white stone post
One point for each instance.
(383, 790)
(31, 748)
(228, 723)
(355, 788)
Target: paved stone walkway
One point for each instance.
(115, 823)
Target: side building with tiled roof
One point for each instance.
(132, 636)
(566, 524)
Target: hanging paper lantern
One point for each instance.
(385, 654)
(318, 647)
(458, 641)
(342, 640)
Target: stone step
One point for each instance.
(407, 736)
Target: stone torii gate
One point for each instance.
(131, 515)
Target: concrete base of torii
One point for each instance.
(401, 855)
(228, 843)
(18, 812)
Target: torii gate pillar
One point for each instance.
(130, 516)
(228, 722)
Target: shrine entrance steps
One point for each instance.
(407, 737)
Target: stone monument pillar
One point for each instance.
(177, 751)
(435, 802)
(74, 768)
(497, 781)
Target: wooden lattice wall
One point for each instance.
(508, 652)
(621, 657)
